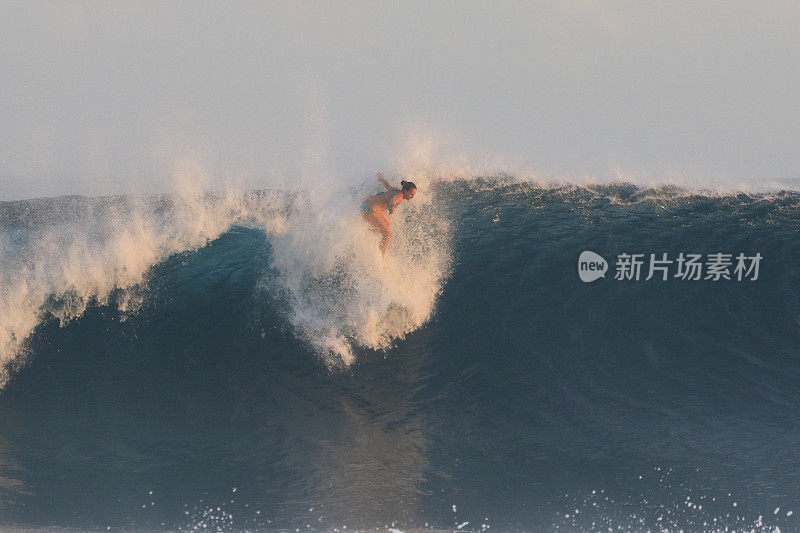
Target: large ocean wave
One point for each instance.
(511, 387)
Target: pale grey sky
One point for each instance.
(124, 95)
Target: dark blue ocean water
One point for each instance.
(526, 400)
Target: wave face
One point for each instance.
(248, 361)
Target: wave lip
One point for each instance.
(59, 256)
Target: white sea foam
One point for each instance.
(341, 292)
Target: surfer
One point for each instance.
(376, 208)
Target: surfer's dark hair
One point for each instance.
(407, 185)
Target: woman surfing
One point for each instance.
(376, 209)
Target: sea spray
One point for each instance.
(340, 291)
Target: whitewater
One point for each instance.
(60, 255)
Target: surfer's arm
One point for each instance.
(386, 183)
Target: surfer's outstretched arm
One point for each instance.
(386, 183)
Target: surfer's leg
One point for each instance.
(379, 223)
(385, 231)
(387, 236)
